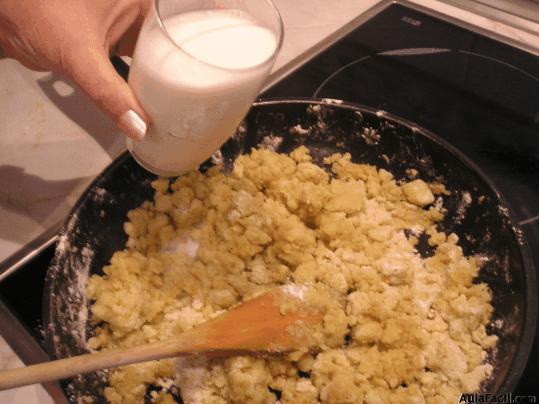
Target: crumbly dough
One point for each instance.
(398, 328)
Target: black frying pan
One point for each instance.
(94, 230)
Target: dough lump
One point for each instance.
(398, 327)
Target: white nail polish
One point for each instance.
(134, 123)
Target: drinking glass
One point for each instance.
(196, 69)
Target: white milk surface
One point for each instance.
(196, 82)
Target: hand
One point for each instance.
(74, 38)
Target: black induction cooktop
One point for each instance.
(479, 94)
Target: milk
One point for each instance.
(196, 84)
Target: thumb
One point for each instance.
(96, 76)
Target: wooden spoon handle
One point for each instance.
(63, 368)
(253, 326)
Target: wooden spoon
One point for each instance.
(256, 326)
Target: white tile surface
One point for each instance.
(53, 141)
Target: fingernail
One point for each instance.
(133, 124)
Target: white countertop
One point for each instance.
(53, 141)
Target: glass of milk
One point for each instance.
(197, 67)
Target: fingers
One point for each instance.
(29, 64)
(125, 30)
(126, 44)
(94, 73)
(12, 48)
